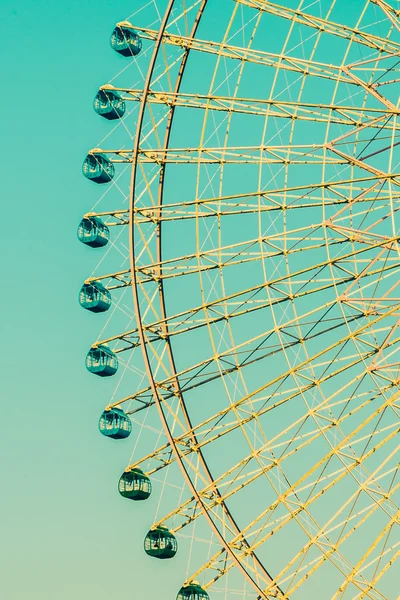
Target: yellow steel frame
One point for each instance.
(357, 274)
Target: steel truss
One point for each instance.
(327, 298)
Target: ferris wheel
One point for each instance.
(247, 229)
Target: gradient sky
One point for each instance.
(65, 534)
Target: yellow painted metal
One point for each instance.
(357, 270)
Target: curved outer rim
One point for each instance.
(163, 310)
(192, 487)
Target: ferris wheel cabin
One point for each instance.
(109, 104)
(160, 543)
(94, 297)
(134, 485)
(101, 361)
(98, 168)
(193, 591)
(93, 232)
(114, 423)
(125, 40)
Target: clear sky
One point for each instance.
(65, 532)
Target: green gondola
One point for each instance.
(192, 591)
(114, 423)
(160, 543)
(109, 104)
(101, 361)
(125, 40)
(98, 168)
(95, 297)
(93, 232)
(134, 485)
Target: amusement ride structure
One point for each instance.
(247, 229)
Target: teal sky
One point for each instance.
(66, 534)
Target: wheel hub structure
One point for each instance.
(247, 225)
